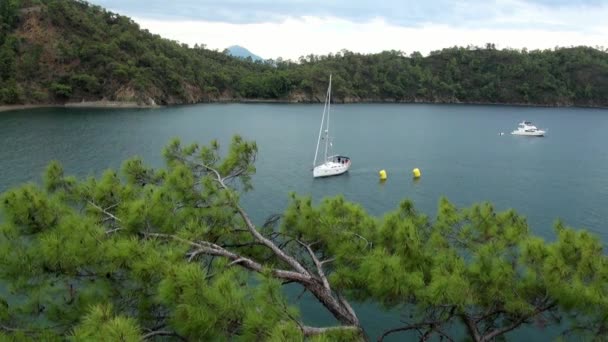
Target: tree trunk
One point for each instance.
(341, 313)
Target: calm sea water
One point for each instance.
(458, 149)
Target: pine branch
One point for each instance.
(104, 211)
(317, 263)
(327, 261)
(14, 330)
(432, 325)
(272, 220)
(488, 314)
(471, 327)
(443, 334)
(253, 230)
(434, 320)
(313, 331)
(36, 332)
(209, 248)
(241, 245)
(324, 294)
(299, 273)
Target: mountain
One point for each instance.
(239, 51)
(66, 51)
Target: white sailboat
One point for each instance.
(331, 165)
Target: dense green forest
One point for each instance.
(56, 51)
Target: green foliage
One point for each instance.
(472, 264)
(61, 90)
(89, 258)
(30, 209)
(101, 325)
(8, 16)
(7, 62)
(90, 53)
(85, 83)
(170, 254)
(10, 92)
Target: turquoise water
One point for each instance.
(457, 147)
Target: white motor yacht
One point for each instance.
(528, 129)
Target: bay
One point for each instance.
(458, 148)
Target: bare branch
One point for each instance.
(113, 231)
(327, 261)
(301, 293)
(312, 331)
(237, 261)
(112, 206)
(471, 327)
(256, 234)
(208, 248)
(442, 333)
(13, 330)
(497, 332)
(433, 326)
(240, 245)
(194, 254)
(369, 244)
(489, 313)
(104, 211)
(345, 304)
(162, 333)
(317, 264)
(271, 220)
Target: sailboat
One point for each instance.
(331, 165)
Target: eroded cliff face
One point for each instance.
(90, 55)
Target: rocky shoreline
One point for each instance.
(125, 105)
(84, 104)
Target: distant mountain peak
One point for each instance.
(239, 51)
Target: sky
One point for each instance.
(292, 28)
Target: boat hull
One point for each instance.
(330, 168)
(530, 134)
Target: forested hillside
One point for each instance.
(57, 51)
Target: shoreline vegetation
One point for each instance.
(67, 51)
(135, 105)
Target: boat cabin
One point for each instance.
(339, 159)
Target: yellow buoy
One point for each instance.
(382, 174)
(416, 173)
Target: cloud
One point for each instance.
(295, 37)
(410, 13)
(292, 28)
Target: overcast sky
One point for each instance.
(293, 28)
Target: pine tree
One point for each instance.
(170, 254)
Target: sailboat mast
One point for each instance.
(314, 163)
(328, 110)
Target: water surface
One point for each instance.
(457, 147)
